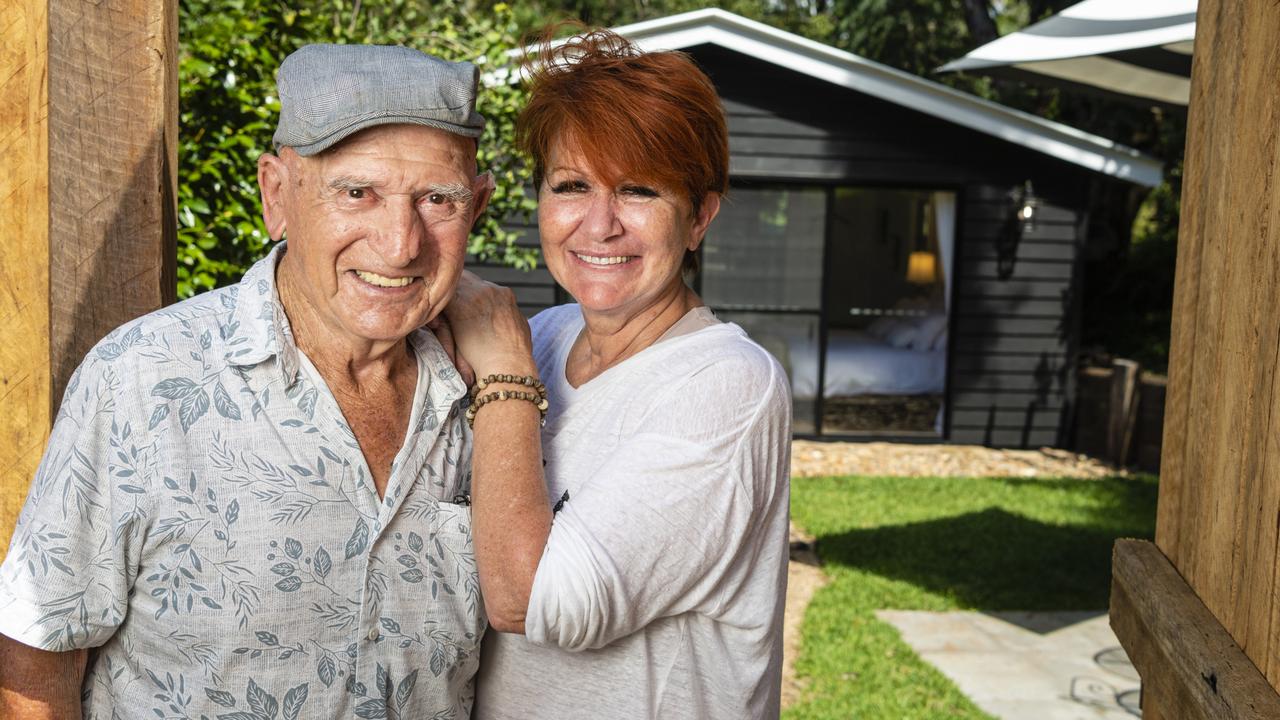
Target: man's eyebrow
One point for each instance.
(347, 182)
(455, 191)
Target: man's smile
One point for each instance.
(375, 279)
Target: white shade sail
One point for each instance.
(1138, 49)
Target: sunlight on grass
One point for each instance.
(944, 544)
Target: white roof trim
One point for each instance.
(1116, 76)
(1020, 47)
(717, 27)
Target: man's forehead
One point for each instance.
(386, 150)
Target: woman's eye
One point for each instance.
(355, 193)
(639, 191)
(566, 186)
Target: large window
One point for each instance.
(848, 288)
(762, 268)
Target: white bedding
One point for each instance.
(862, 364)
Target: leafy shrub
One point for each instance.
(230, 50)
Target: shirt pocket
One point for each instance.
(451, 590)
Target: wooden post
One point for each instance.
(1220, 471)
(1183, 654)
(1124, 394)
(24, 251)
(88, 178)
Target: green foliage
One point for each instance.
(230, 50)
(943, 544)
(912, 35)
(1129, 296)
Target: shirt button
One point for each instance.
(373, 635)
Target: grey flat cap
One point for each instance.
(328, 92)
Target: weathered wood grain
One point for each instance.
(1220, 482)
(1187, 659)
(88, 125)
(112, 161)
(24, 253)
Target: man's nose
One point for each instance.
(400, 240)
(603, 221)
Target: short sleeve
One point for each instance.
(74, 554)
(672, 521)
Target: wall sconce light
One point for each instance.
(1024, 213)
(922, 267)
(1028, 207)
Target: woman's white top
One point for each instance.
(660, 592)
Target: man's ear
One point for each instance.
(482, 188)
(273, 183)
(707, 211)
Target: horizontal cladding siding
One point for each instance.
(781, 144)
(535, 289)
(991, 363)
(1001, 400)
(1013, 288)
(985, 381)
(849, 137)
(851, 170)
(1005, 419)
(1011, 332)
(1011, 305)
(995, 211)
(1006, 325)
(1030, 251)
(1004, 437)
(1030, 345)
(985, 232)
(514, 277)
(1050, 270)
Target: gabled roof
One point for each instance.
(713, 26)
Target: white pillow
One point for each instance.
(881, 326)
(902, 335)
(940, 342)
(930, 327)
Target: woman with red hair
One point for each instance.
(632, 553)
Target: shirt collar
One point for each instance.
(261, 330)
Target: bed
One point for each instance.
(860, 363)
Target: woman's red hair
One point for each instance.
(645, 117)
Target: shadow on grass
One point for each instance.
(991, 559)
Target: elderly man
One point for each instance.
(252, 505)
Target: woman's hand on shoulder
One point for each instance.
(491, 334)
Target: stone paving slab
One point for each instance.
(1027, 665)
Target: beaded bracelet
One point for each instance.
(526, 380)
(539, 401)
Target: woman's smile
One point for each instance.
(604, 260)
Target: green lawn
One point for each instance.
(944, 544)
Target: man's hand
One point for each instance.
(444, 333)
(488, 329)
(39, 685)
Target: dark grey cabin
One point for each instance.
(874, 240)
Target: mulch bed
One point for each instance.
(814, 459)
